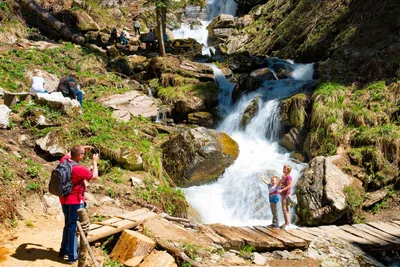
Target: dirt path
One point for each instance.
(37, 246)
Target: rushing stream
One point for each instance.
(238, 197)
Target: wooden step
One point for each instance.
(385, 227)
(378, 233)
(353, 239)
(229, 234)
(300, 234)
(379, 243)
(282, 236)
(272, 242)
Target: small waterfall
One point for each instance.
(200, 33)
(162, 114)
(238, 197)
(225, 92)
(149, 92)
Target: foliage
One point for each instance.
(354, 202)
(169, 199)
(246, 251)
(32, 186)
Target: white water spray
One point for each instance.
(238, 197)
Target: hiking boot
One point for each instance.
(61, 255)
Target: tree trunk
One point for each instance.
(50, 20)
(160, 33)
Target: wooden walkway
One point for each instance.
(119, 223)
(374, 236)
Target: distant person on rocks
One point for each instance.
(124, 37)
(273, 199)
(69, 87)
(75, 200)
(286, 183)
(136, 26)
(150, 39)
(113, 36)
(37, 83)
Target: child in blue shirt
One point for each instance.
(273, 199)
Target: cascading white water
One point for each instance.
(200, 33)
(238, 197)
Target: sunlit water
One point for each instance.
(238, 197)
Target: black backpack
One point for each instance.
(60, 180)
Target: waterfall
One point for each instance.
(216, 7)
(161, 114)
(149, 92)
(238, 197)
(200, 32)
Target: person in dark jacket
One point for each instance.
(69, 87)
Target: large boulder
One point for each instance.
(52, 144)
(222, 21)
(182, 66)
(204, 119)
(56, 100)
(320, 192)
(198, 156)
(187, 47)
(131, 104)
(257, 77)
(4, 116)
(85, 22)
(127, 157)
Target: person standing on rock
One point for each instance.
(273, 199)
(37, 83)
(136, 26)
(75, 200)
(285, 183)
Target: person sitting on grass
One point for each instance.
(37, 83)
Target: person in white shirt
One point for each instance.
(37, 83)
(273, 199)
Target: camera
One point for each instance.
(94, 151)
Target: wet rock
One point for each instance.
(52, 144)
(198, 156)
(299, 156)
(201, 119)
(4, 116)
(320, 192)
(257, 77)
(250, 112)
(57, 101)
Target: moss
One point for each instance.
(229, 146)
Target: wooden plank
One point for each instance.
(93, 226)
(267, 241)
(249, 238)
(387, 228)
(118, 227)
(110, 221)
(396, 222)
(299, 234)
(282, 236)
(352, 238)
(377, 233)
(373, 239)
(101, 233)
(228, 233)
(138, 219)
(314, 231)
(134, 213)
(306, 231)
(210, 232)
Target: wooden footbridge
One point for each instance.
(373, 236)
